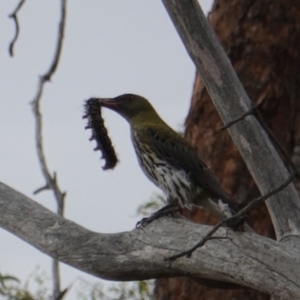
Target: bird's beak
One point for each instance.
(109, 103)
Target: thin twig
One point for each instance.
(14, 16)
(243, 116)
(263, 198)
(235, 217)
(252, 111)
(190, 251)
(51, 180)
(255, 112)
(62, 294)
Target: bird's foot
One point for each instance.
(168, 210)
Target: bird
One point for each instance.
(169, 161)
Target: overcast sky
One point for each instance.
(110, 48)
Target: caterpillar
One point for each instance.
(93, 115)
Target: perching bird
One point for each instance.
(167, 159)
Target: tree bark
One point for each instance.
(261, 39)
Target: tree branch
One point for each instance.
(231, 101)
(51, 181)
(242, 258)
(14, 16)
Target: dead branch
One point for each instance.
(242, 258)
(51, 181)
(14, 16)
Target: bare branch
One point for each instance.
(14, 16)
(51, 181)
(263, 198)
(241, 258)
(255, 112)
(231, 101)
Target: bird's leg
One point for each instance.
(235, 223)
(169, 209)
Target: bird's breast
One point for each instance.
(173, 182)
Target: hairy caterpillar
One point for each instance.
(92, 109)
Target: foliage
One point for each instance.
(12, 289)
(35, 288)
(155, 202)
(137, 290)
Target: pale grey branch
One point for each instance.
(242, 258)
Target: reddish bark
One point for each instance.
(262, 40)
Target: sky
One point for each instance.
(110, 48)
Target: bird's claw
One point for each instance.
(168, 210)
(143, 223)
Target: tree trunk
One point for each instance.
(261, 39)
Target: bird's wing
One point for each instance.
(182, 156)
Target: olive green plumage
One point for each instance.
(167, 158)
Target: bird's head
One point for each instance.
(129, 106)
